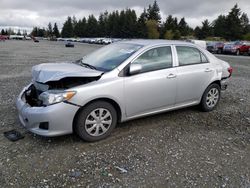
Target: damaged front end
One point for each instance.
(51, 92)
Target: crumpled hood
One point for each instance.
(56, 71)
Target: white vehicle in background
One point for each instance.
(107, 41)
(200, 43)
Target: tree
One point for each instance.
(153, 12)
(198, 33)
(171, 24)
(102, 22)
(128, 23)
(169, 35)
(67, 30)
(18, 32)
(152, 29)
(245, 23)
(2, 32)
(49, 30)
(141, 25)
(56, 32)
(220, 26)
(113, 26)
(247, 36)
(206, 29)
(234, 27)
(92, 26)
(183, 27)
(34, 32)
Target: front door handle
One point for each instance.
(208, 70)
(171, 75)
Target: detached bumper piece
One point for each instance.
(13, 135)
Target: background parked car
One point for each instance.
(244, 48)
(237, 47)
(215, 47)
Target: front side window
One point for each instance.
(190, 56)
(155, 59)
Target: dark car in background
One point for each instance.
(215, 47)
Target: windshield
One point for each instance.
(111, 56)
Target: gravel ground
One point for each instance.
(183, 148)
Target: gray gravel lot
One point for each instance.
(184, 148)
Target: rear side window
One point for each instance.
(155, 59)
(189, 56)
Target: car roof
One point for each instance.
(152, 42)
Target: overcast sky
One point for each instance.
(29, 13)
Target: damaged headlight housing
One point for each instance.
(55, 96)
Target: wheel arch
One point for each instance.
(213, 82)
(111, 101)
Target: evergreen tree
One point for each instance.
(56, 32)
(184, 28)
(67, 30)
(234, 27)
(129, 24)
(2, 32)
(92, 27)
(220, 26)
(18, 32)
(198, 33)
(245, 23)
(206, 29)
(153, 12)
(141, 25)
(49, 30)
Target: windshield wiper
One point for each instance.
(88, 65)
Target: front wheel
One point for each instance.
(210, 98)
(96, 121)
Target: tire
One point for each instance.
(90, 126)
(219, 51)
(210, 98)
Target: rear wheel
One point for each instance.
(210, 98)
(96, 121)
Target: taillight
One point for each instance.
(230, 70)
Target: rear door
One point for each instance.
(194, 73)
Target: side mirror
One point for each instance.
(134, 69)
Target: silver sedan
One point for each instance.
(120, 82)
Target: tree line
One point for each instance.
(149, 24)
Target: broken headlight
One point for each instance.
(55, 96)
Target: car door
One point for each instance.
(194, 74)
(155, 86)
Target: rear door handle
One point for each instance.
(208, 70)
(171, 75)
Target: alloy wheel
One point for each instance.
(98, 122)
(212, 97)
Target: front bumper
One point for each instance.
(59, 117)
